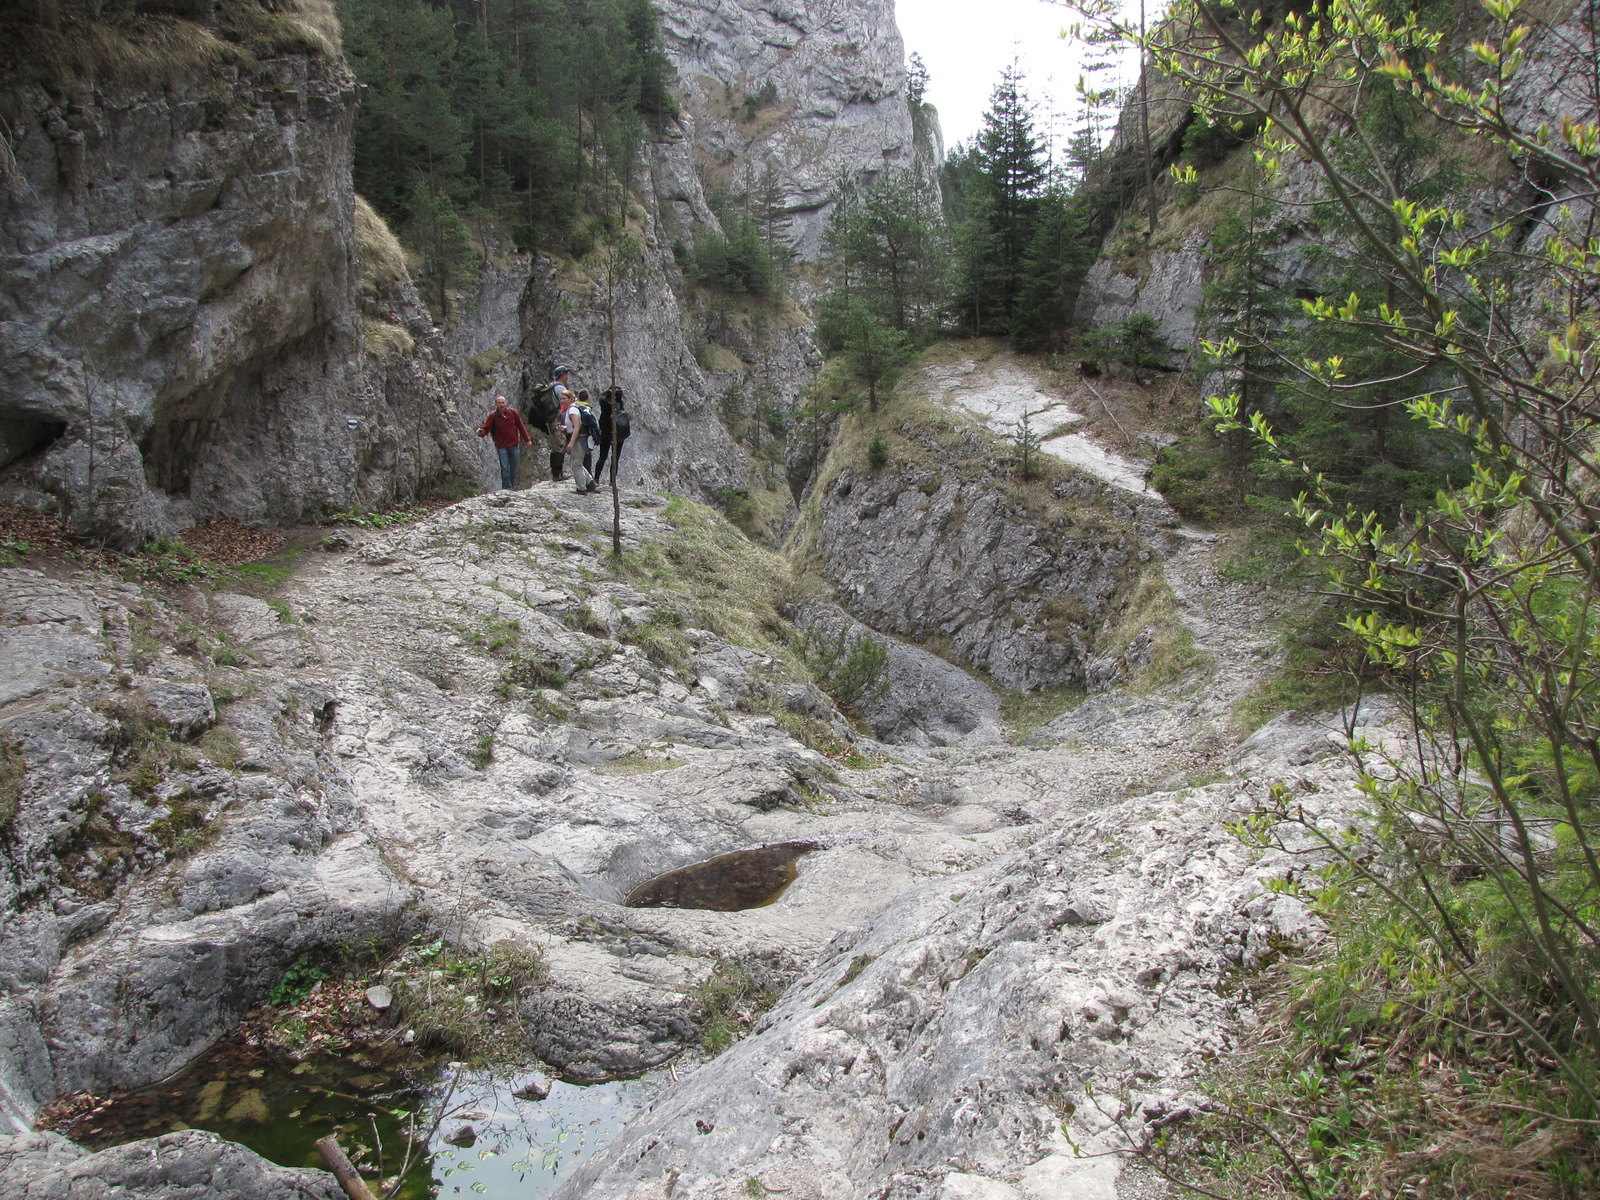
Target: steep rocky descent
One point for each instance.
(983, 1029)
(472, 713)
(466, 713)
(180, 302)
(1046, 583)
(160, 872)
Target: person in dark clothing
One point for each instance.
(622, 427)
(556, 441)
(510, 435)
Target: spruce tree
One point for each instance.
(1058, 258)
(1002, 206)
(1245, 310)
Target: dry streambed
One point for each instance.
(473, 725)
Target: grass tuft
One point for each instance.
(13, 768)
(730, 1001)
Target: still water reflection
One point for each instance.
(373, 1099)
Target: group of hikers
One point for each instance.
(571, 426)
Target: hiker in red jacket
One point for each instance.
(510, 436)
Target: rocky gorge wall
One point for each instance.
(837, 103)
(180, 313)
(1163, 273)
(188, 334)
(840, 109)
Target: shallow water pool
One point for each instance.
(372, 1098)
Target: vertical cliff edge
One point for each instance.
(179, 295)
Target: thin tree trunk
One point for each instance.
(1144, 121)
(616, 446)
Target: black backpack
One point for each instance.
(541, 405)
(587, 424)
(620, 417)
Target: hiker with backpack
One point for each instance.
(555, 435)
(510, 435)
(546, 407)
(583, 431)
(612, 418)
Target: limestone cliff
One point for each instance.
(812, 91)
(187, 333)
(837, 106)
(179, 305)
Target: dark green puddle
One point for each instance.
(727, 883)
(523, 1148)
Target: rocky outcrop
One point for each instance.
(188, 1165)
(939, 552)
(470, 706)
(179, 307)
(920, 699)
(156, 887)
(801, 94)
(1170, 289)
(1162, 273)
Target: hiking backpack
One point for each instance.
(588, 425)
(620, 415)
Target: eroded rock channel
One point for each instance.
(476, 728)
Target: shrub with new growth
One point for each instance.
(852, 670)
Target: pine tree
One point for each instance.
(1058, 258)
(1000, 210)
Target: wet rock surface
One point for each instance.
(191, 1165)
(728, 883)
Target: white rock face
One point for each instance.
(945, 1048)
(1171, 294)
(840, 107)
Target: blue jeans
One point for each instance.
(508, 465)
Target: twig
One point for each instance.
(377, 1140)
(343, 1169)
(1541, 1113)
(411, 1140)
(1105, 408)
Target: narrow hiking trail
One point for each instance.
(1232, 622)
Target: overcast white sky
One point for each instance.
(966, 43)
